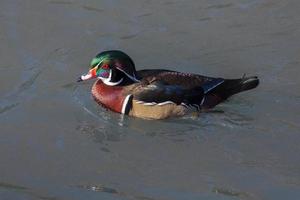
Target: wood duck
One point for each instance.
(156, 93)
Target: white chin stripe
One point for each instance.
(107, 82)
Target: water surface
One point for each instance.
(57, 143)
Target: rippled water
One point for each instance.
(57, 143)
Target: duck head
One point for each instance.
(112, 67)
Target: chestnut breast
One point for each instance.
(109, 96)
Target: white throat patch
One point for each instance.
(107, 81)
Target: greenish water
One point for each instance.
(56, 143)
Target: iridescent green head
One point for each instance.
(111, 67)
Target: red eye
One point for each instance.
(105, 66)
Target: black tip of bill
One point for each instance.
(79, 79)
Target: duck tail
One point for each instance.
(228, 88)
(234, 86)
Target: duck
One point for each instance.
(156, 93)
